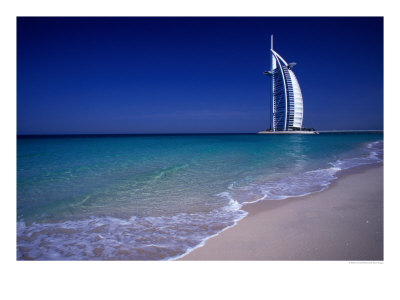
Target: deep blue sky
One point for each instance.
(193, 75)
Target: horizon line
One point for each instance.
(177, 133)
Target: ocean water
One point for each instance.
(159, 197)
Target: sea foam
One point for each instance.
(304, 183)
(109, 238)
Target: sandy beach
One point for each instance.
(343, 222)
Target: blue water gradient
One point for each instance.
(157, 197)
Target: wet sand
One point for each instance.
(344, 222)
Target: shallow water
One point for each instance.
(158, 197)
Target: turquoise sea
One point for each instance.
(157, 197)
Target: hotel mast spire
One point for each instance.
(272, 41)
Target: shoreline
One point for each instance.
(342, 222)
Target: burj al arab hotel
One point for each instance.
(286, 98)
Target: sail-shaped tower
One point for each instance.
(286, 97)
